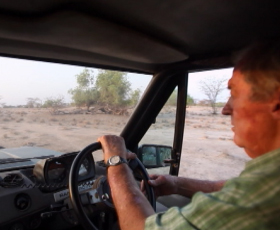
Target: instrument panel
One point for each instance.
(54, 172)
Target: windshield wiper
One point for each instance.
(15, 160)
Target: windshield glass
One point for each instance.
(63, 107)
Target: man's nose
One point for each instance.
(227, 110)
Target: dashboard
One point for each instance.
(37, 197)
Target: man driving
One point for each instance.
(249, 201)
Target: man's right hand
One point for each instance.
(163, 184)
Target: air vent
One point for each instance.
(12, 180)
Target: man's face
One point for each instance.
(253, 125)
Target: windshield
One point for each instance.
(62, 107)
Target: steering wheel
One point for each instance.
(136, 166)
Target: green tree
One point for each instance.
(113, 88)
(33, 102)
(85, 94)
(54, 104)
(173, 99)
(2, 104)
(134, 97)
(190, 100)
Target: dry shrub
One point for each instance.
(5, 135)
(53, 119)
(66, 128)
(30, 143)
(42, 121)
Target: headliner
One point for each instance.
(145, 36)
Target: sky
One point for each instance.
(22, 79)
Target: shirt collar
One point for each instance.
(265, 159)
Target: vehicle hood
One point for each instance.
(22, 157)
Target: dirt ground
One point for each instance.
(208, 149)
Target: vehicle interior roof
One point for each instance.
(145, 36)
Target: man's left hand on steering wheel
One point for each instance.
(114, 146)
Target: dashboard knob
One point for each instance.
(22, 202)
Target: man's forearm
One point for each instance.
(188, 187)
(127, 196)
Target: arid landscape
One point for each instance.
(208, 149)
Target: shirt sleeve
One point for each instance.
(173, 218)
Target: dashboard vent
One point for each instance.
(12, 180)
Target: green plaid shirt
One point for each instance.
(250, 201)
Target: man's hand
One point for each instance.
(114, 146)
(163, 184)
(131, 205)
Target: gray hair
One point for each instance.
(260, 64)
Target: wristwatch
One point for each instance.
(115, 160)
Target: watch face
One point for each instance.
(115, 159)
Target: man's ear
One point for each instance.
(276, 106)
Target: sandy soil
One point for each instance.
(208, 149)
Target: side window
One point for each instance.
(157, 143)
(208, 150)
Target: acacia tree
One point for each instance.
(190, 100)
(33, 102)
(85, 94)
(172, 100)
(212, 88)
(54, 104)
(134, 97)
(2, 104)
(113, 88)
